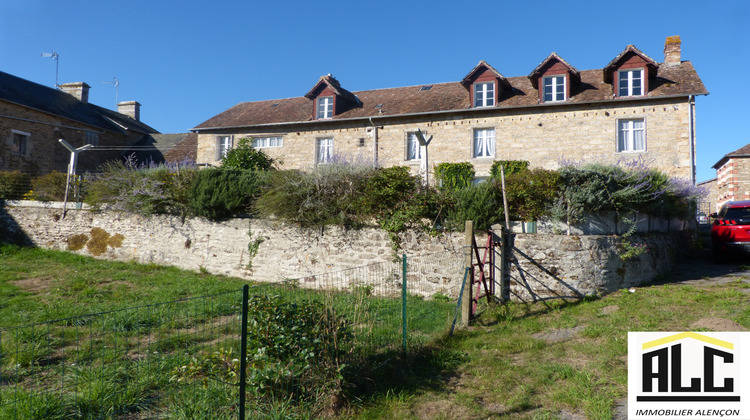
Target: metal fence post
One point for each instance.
(243, 351)
(403, 302)
(466, 302)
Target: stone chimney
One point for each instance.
(130, 108)
(79, 90)
(672, 51)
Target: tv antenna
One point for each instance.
(116, 84)
(55, 56)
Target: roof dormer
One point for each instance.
(630, 72)
(485, 85)
(557, 78)
(330, 99)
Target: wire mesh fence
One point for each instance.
(184, 359)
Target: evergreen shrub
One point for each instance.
(219, 193)
(454, 175)
(13, 185)
(510, 167)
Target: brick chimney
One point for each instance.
(130, 108)
(79, 90)
(672, 51)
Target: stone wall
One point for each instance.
(43, 151)
(543, 136)
(544, 265)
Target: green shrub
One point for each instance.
(454, 175)
(386, 188)
(328, 195)
(510, 167)
(245, 156)
(531, 194)
(220, 193)
(126, 186)
(481, 203)
(13, 185)
(50, 187)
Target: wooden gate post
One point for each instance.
(468, 280)
(506, 246)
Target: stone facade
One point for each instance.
(633, 108)
(544, 136)
(543, 266)
(34, 117)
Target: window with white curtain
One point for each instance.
(413, 151)
(324, 150)
(325, 107)
(631, 135)
(265, 142)
(484, 142)
(223, 144)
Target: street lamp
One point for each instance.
(71, 167)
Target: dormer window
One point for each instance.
(630, 82)
(554, 79)
(325, 107)
(554, 88)
(484, 94)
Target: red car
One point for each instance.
(730, 232)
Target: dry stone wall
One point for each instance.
(543, 265)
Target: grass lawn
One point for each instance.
(526, 361)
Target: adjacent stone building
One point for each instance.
(34, 117)
(632, 108)
(732, 177)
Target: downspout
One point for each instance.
(374, 143)
(691, 117)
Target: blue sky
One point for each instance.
(186, 61)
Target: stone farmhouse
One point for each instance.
(632, 108)
(33, 117)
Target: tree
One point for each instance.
(245, 156)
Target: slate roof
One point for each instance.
(743, 151)
(53, 101)
(170, 148)
(670, 81)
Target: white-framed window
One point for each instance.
(630, 82)
(631, 135)
(324, 150)
(554, 88)
(325, 107)
(223, 144)
(484, 94)
(484, 142)
(413, 151)
(92, 138)
(20, 144)
(265, 142)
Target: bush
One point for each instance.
(510, 167)
(531, 194)
(481, 203)
(13, 185)
(297, 350)
(385, 188)
(597, 187)
(220, 193)
(51, 187)
(328, 195)
(155, 189)
(245, 156)
(454, 175)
